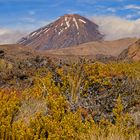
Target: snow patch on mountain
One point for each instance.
(82, 21)
(76, 23)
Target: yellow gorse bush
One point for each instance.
(9, 106)
(43, 111)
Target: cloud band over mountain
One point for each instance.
(8, 36)
(113, 27)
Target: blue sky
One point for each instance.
(19, 17)
(15, 13)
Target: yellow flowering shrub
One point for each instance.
(44, 111)
(9, 106)
(122, 128)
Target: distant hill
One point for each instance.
(95, 49)
(112, 48)
(132, 52)
(15, 52)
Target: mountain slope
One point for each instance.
(132, 52)
(67, 31)
(112, 48)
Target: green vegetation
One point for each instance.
(79, 101)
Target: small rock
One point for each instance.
(2, 53)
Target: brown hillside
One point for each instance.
(113, 48)
(132, 53)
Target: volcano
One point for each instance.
(67, 31)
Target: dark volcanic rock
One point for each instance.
(67, 31)
(2, 53)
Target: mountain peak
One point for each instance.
(68, 30)
(73, 19)
(71, 15)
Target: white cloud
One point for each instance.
(21, 29)
(131, 6)
(10, 36)
(116, 27)
(111, 9)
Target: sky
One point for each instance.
(116, 18)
